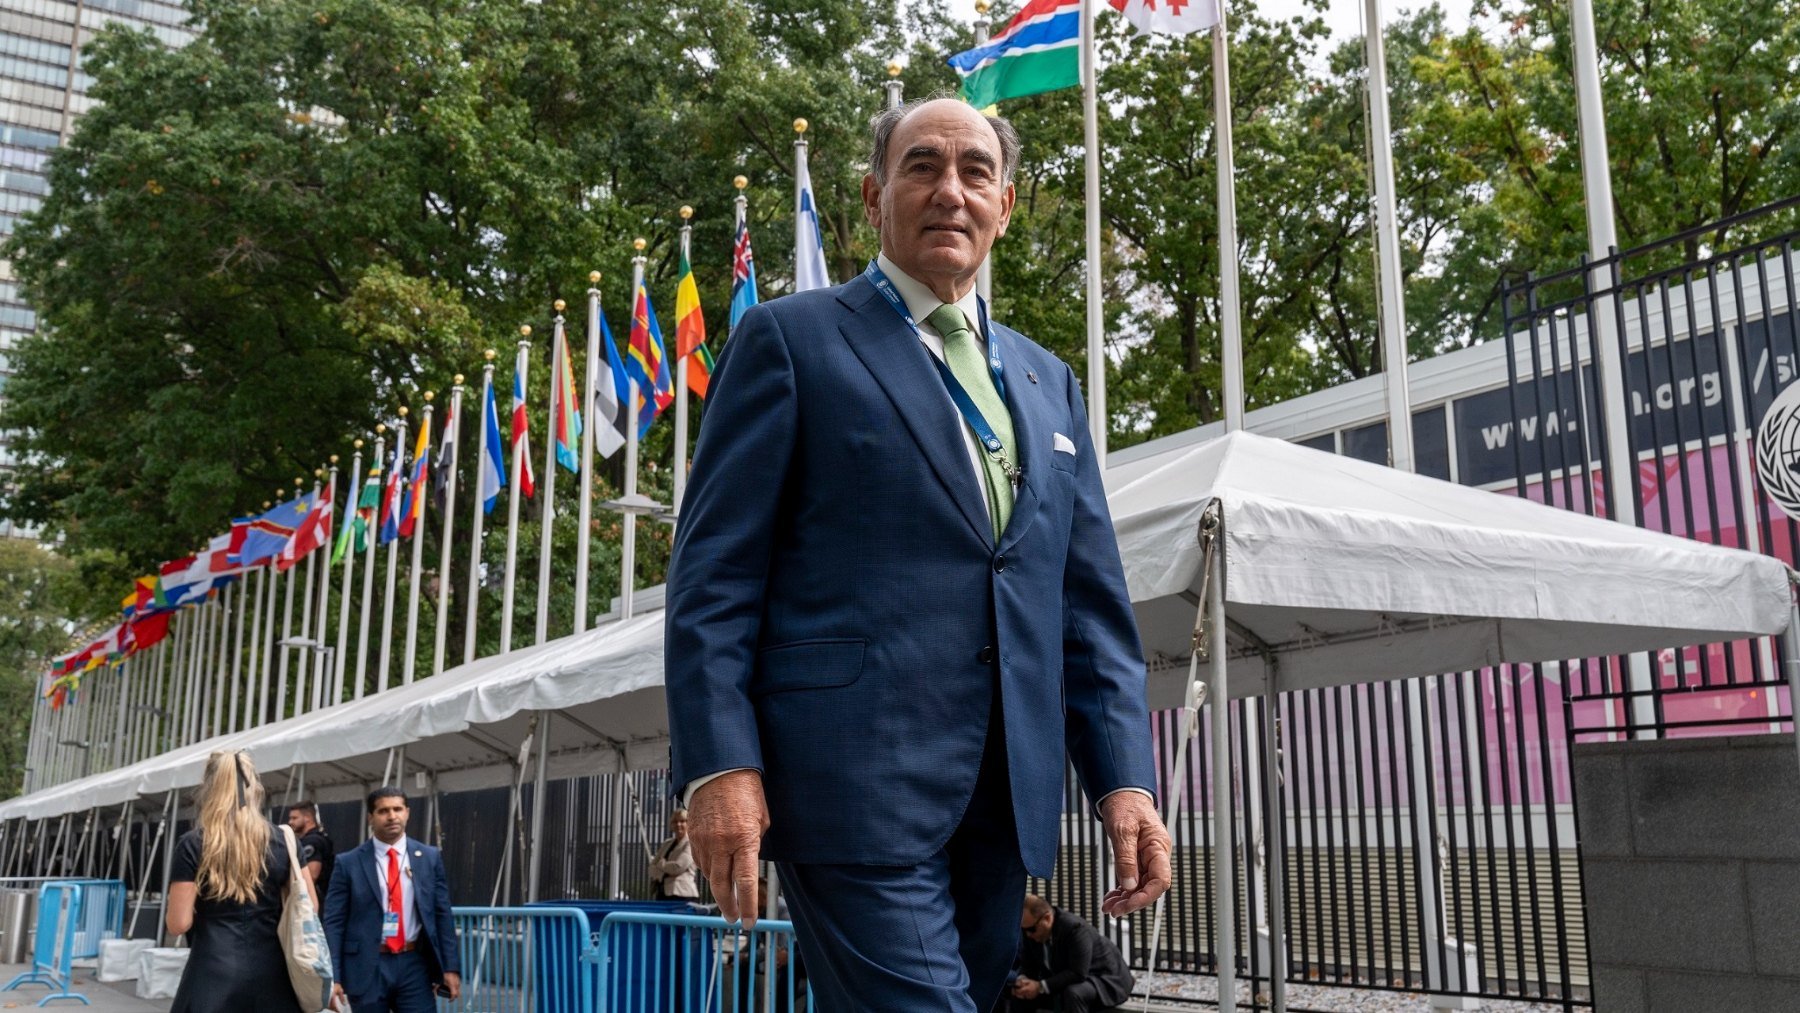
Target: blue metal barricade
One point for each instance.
(100, 914)
(522, 960)
(650, 962)
(73, 916)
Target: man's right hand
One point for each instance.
(727, 817)
(337, 996)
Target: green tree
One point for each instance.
(36, 587)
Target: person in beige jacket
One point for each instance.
(672, 868)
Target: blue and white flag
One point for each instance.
(809, 242)
(493, 465)
(610, 390)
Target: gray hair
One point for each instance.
(884, 123)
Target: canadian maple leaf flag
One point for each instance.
(1171, 17)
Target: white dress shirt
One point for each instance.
(408, 903)
(921, 302)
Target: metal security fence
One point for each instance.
(1706, 331)
(1465, 772)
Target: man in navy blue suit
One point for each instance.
(896, 603)
(387, 918)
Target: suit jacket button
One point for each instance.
(985, 656)
(999, 564)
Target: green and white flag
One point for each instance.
(1039, 50)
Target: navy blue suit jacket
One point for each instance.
(356, 902)
(837, 605)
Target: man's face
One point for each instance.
(299, 821)
(1036, 928)
(943, 202)
(388, 820)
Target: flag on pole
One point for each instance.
(610, 390)
(313, 532)
(690, 330)
(443, 467)
(389, 527)
(1171, 17)
(809, 242)
(267, 533)
(1039, 50)
(493, 465)
(521, 437)
(413, 503)
(356, 532)
(646, 365)
(567, 424)
(743, 274)
(210, 569)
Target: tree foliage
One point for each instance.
(260, 245)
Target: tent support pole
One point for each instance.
(168, 859)
(149, 864)
(1224, 862)
(1790, 660)
(614, 884)
(1277, 871)
(538, 787)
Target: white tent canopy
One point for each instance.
(1351, 572)
(1346, 571)
(465, 726)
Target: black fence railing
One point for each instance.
(1708, 341)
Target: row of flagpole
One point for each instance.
(232, 639)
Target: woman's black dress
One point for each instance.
(236, 962)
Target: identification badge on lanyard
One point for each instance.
(984, 433)
(390, 925)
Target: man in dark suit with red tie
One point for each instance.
(387, 918)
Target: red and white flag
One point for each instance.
(313, 532)
(1170, 17)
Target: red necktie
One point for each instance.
(397, 941)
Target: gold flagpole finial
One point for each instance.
(593, 277)
(559, 304)
(740, 182)
(800, 125)
(488, 355)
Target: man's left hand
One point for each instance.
(1140, 852)
(452, 985)
(1025, 988)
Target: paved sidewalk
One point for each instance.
(117, 998)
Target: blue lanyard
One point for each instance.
(964, 403)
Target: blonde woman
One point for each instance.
(230, 875)
(672, 868)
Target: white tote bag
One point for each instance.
(303, 937)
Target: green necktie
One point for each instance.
(968, 363)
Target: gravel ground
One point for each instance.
(1314, 997)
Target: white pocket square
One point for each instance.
(1062, 444)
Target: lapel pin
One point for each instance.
(1029, 375)
(418, 854)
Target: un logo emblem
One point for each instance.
(1778, 451)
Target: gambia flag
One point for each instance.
(1039, 50)
(690, 330)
